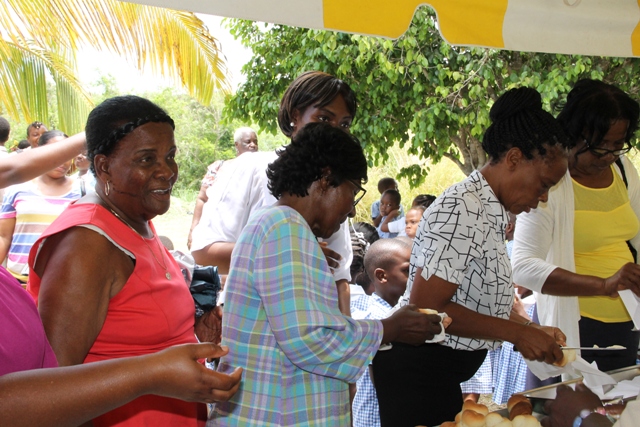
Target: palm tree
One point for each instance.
(39, 40)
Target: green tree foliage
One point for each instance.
(432, 98)
(200, 137)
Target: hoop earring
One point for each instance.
(106, 188)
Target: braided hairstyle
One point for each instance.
(591, 108)
(312, 89)
(315, 148)
(519, 121)
(115, 118)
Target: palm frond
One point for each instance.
(172, 43)
(24, 69)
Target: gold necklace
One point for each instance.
(164, 267)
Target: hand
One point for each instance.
(523, 292)
(410, 326)
(518, 307)
(553, 332)
(208, 327)
(175, 372)
(333, 257)
(541, 343)
(189, 240)
(568, 404)
(628, 277)
(392, 214)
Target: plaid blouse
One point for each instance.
(282, 325)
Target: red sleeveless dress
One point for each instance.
(149, 314)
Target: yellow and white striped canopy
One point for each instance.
(588, 27)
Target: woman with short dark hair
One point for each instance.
(281, 319)
(241, 188)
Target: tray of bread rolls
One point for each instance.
(549, 391)
(519, 413)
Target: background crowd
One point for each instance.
(319, 317)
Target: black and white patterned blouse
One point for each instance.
(461, 240)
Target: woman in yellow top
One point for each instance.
(576, 251)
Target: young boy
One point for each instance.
(384, 184)
(387, 265)
(412, 220)
(390, 211)
(401, 225)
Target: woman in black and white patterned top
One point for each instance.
(459, 265)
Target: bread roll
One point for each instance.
(515, 399)
(458, 415)
(504, 423)
(492, 419)
(568, 356)
(520, 408)
(525, 421)
(471, 418)
(477, 407)
(428, 311)
(447, 424)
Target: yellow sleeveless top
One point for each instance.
(604, 221)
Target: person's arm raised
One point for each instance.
(29, 164)
(69, 396)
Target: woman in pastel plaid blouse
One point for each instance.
(282, 322)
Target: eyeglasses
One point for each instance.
(601, 152)
(359, 194)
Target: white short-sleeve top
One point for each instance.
(461, 239)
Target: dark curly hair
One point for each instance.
(312, 89)
(116, 117)
(5, 130)
(394, 195)
(518, 120)
(423, 200)
(362, 235)
(592, 106)
(315, 148)
(49, 135)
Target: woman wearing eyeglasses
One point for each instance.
(281, 318)
(575, 251)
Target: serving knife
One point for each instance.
(594, 348)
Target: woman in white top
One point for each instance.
(574, 250)
(241, 187)
(459, 265)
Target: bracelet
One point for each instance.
(577, 422)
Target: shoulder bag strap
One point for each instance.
(626, 184)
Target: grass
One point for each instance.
(440, 176)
